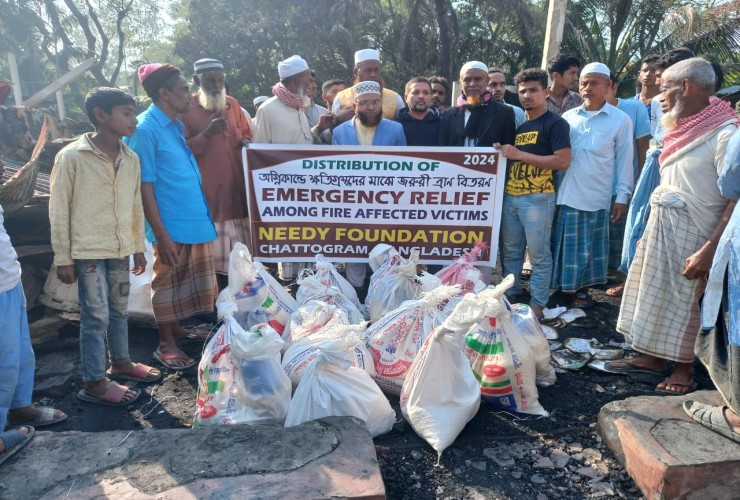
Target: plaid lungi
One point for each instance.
(660, 312)
(188, 288)
(580, 248)
(229, 232)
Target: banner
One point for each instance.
(341, 201)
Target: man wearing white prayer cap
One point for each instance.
(603, 146)
(477, 120)
(368, 69)
(367, 128)
(282, 120)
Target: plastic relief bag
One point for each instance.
(463, 271)
(258, 296)
(440, 394)
(526, 322)
(299, 355)
(331, 386)
(500, 356)
(311, 288)
(396, 338)
(328, 275)
(312, 316)
(393, 283)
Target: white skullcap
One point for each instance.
(473, 65)
(292, 66)
(366, 55)
(259, 100)
(204, 65)
(369, 87)
(596, 67)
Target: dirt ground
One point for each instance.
(498, 455)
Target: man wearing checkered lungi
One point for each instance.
(602, 151)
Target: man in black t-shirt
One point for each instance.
(542, 145)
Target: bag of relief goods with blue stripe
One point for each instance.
(395, 339)
(501, 357)
(394, 282)
(240, 380)
(258, 296)
(328, 275)
(440, 394)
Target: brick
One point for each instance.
(668, 454)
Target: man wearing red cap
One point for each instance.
(178, 219)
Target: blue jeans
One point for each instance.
(526, 222)
(17, 362)
(103, 287)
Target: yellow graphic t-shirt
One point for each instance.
(541, 136)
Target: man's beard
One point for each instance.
(212, 101)
(669, 120)
(368, 120)
(420, 107)
(303, 96)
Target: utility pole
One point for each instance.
(15, 78)
(554, 31)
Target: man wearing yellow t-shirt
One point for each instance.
(542, 145)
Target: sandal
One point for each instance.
(113, 396)
(630, 368)
(14, 440)
(166, 359)
(140, 373)
(711, 417)
(665, 390)
(44, 417)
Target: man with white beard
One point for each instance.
(216, 129)
(282, 120)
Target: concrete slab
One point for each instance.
(667, 454)
(327, 458)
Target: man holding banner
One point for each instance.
(367, 128)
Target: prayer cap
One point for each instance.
(259, 100)
(292, 66)
(368, 87)
(152, 76)
(596, 67)
(473, 65)
(203, 65)
(366, 55)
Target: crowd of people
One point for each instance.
(646, 185)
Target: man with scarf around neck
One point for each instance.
(660, 312)
(216, 129)
(601, 152)
(477, 120)
(282, 120)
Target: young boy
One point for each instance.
(97, 222)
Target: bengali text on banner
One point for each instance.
(342, 201)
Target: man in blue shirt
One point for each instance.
(178, 219)
(601, 139)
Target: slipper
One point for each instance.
(15, 440)
(112, 397)
(615, 291)
(140, 373)
(571, 315)
(630, 368)
(711, 417)
(167, 358)
(582, 300)
(44, 417)
(664, 390)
